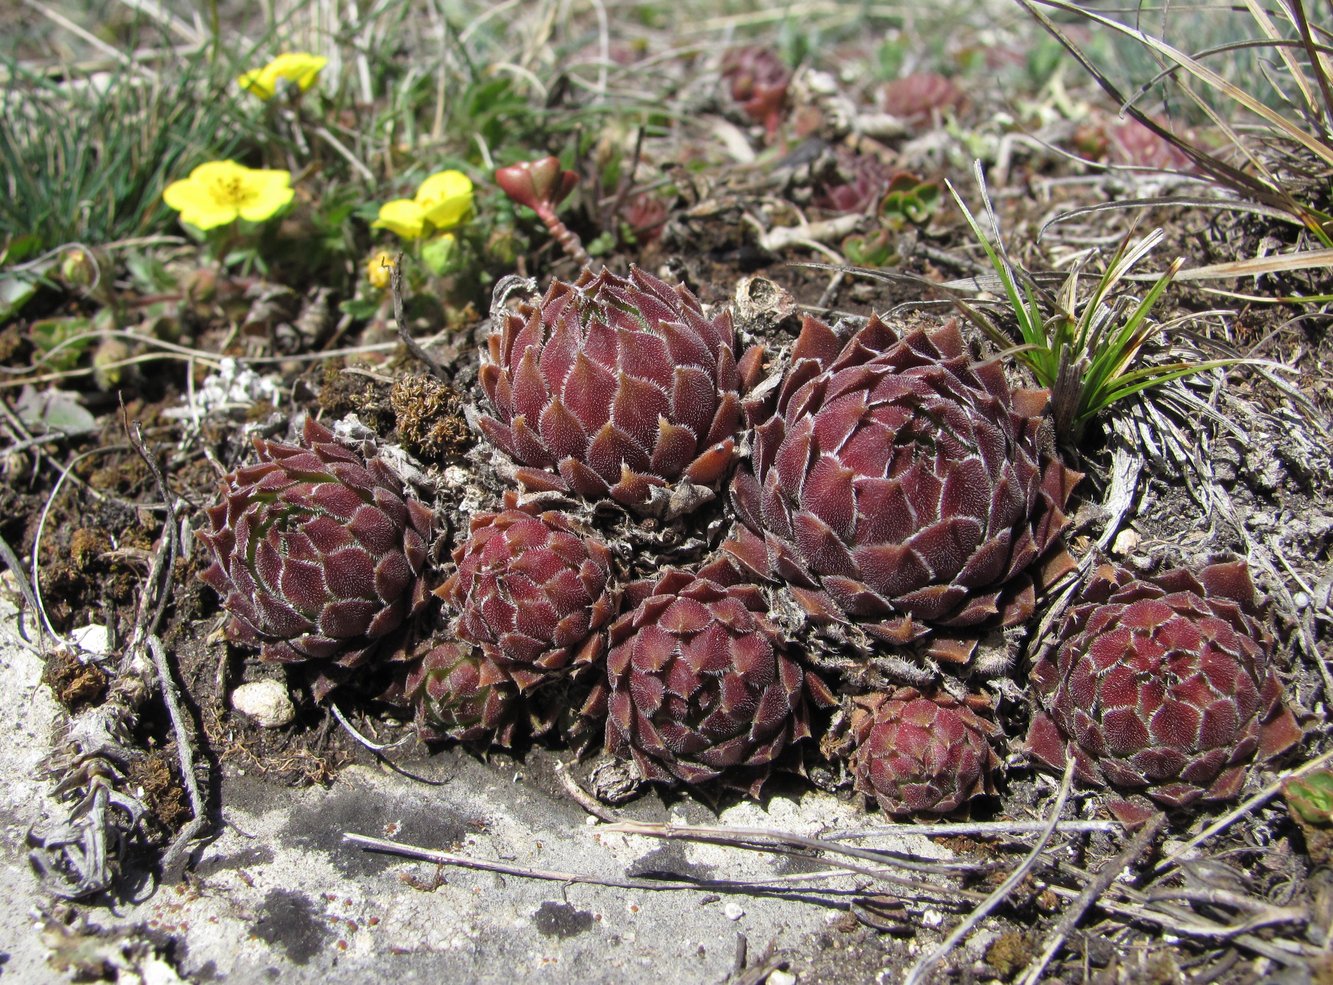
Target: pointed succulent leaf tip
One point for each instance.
(897, 483)
(616, 388)
(1161, 687)
(917, 753)
(316, 554)
(699, 683)
(533, 589)
(540, 185)
(459, 695)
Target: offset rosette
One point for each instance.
(459, 694)
(916, 753)
(700, 684)
(533, 589)
(318, 555)
(1161, 687)
(614, 387)
(901, 484)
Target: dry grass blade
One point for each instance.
(1262, 189)
(918, 972)
(1091, 893)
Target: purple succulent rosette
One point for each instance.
(318, 555)
(614, 388)
(460, 695)
(900, 484)
(533, 589)
(917, 753)
(700, 686)
(1162, 688)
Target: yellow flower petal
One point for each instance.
(379, 270)
(297, 68)
(402, 216)
(219, 192)
(446, 198)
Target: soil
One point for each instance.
(1232, 465)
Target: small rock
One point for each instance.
(781, 978)
(733, 911)
(264, 702)
(1125, 542)
(94, 639)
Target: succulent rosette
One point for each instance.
(613, 387)
(901, 484)
(700, 684)
(1161, 687)
(917, 753)
(533, 589)
(461, 695)
(318, 554)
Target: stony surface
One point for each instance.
(278, 895)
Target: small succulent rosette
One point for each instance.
(615, 388)
(459, 694)
(318, 554)
(700, 685)
(900, 484)
(918, 753)
(1162, 688)
(534, 589)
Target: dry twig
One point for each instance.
(923, 965)
(1092, 892)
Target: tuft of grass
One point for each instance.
(86, 160)
(1279, 146)
(1085, 349)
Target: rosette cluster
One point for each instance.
(1161, 687)
(900, 484)
(613, 388)
(700, 684)
(533, 589)
(317, 552)
(917, 753)
(459, 694)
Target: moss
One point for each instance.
(430, 419)
(1009, 954)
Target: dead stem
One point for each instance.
(777, 885)
(158, 587)
(922, 967)
(581, 797)
(976, 829)
(768, 840)
(413, 346)
(1092, 892)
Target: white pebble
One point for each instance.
(265, 702)
(733, 911)
(932, 918)
(781, 978)
(94, 640)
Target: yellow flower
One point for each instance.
(219, 192)
(296, 68)
(445, 198)
(379, 269)
(402, 216)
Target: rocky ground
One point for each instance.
(194, 826)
